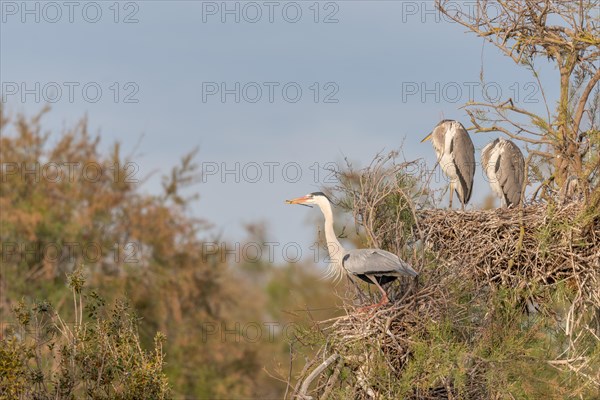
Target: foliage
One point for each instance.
(149, 248)
(512, 312)
(506, 305)
(381, 198)
(100, 356)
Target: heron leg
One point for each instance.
(384, 297)
(451, 194)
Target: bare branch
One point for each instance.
(316, 372)
(583, 100)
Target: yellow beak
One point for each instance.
(427, 137)
(298, 200)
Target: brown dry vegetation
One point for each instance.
(153, 254)
(507, 303)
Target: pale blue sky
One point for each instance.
(374, 53)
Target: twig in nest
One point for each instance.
(316, 372)
(333, 379)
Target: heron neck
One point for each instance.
(334, 247)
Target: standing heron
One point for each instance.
(504, 166)
(456, 155)
(371, 265)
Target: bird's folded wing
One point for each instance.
(510, 174)
(376, 262)
(464, 157)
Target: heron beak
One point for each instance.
(298, 200)
(427, 137)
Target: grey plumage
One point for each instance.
(456, 156)
(371, 265)
(504, 165)
(464, 156)
(376, 262)
(571, 190)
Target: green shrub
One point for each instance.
(96, 356)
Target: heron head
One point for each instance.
(311, 198)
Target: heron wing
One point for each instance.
(376, 262)
(511, 172)
(464, 158)
(486, 154)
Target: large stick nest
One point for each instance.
(478, 252)
(539, 243)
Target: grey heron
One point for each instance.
(456, 156)
(371, 265)
(504, 166)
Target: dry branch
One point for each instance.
(476, 253)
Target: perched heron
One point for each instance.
(371, 265)
(504, 166)
(456, 155)
(570, 191)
